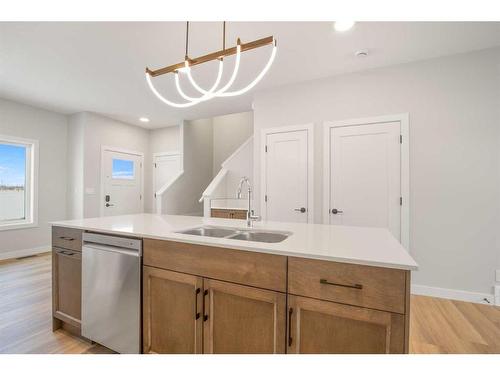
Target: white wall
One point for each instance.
(102, 131)
(164, 139)
(230, 131)
(240, 164)
(49, 129)
(75, 166)
(182, 198)
(453, 104)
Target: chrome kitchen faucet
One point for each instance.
(250, 216)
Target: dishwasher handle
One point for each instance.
(112, 249)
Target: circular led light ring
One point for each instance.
(256, 80)
(165, 100)
(219, 93)
(228, 84)
(222, 92)
(208, 93)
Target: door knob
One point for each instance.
(301, 209)
(109, 205)
(335, 211)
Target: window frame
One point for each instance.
(31, 183)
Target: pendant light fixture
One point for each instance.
(215, 90)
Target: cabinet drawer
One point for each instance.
(254, 269)
(365, 286)
(228, 213)
(220, 213)
(67, 238)
(239, 214)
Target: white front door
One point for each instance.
(122, 183)
(365, 176)
(286, 176)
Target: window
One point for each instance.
(17, 182)
(123, 169)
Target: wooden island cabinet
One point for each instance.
(231, 301)
(204, 299)
(227, 301)
(66, 279)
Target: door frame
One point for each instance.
(123, 151)
(155, 155)
(404, 120)
(309, 127)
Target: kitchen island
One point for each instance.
(323, 289)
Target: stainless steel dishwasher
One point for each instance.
(111, 291)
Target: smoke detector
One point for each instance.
(361, 53)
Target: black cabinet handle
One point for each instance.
(353, 286)
(205, 315)
(197, 314)
(66, 253)
(290, 340)
(66, 238)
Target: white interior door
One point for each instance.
(122, 183)
(365, 176)
(286, 176)
(166, 166)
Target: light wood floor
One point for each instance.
(437, 325)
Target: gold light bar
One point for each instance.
(212, 56)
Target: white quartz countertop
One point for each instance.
(358, 245)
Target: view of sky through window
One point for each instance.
(12, 182)
(123, 169)
(12, 165)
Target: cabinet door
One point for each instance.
(316, 326)
(172, 304)
(67, 286)
(241, 319)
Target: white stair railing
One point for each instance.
(236, 165)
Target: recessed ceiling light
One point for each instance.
(144, 119)
(343, 25)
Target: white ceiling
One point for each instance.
(99, 67)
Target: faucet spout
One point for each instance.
(250, 216)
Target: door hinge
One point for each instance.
(265, 198)
(400, 138)
(400, 201)
(266, 148)
(140, 197)
(155, 195)
(155, 165)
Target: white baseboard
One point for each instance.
(460, 295)
(24, 252)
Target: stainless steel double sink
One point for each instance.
(238, 234)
